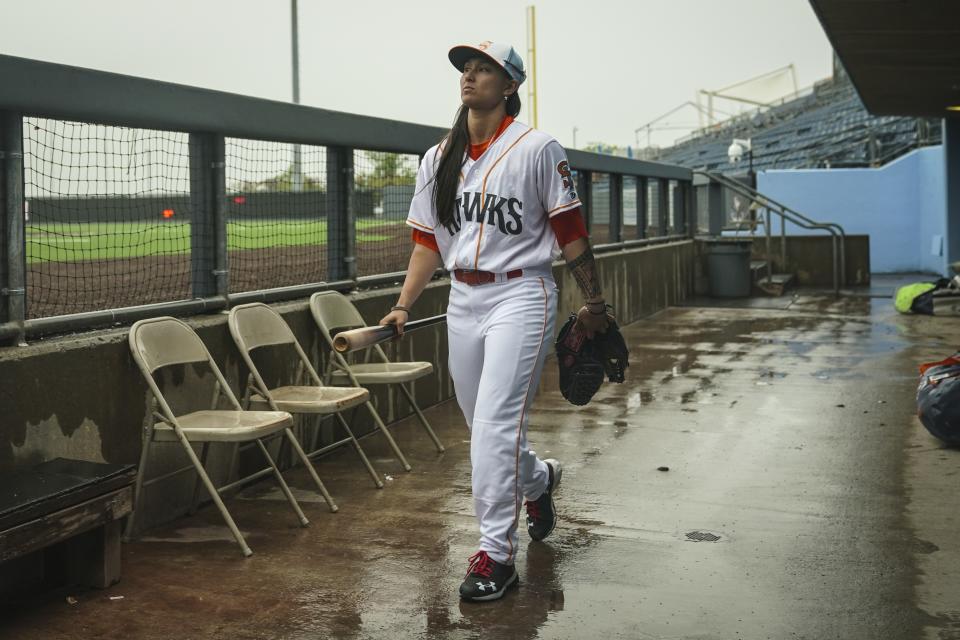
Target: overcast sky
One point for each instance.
(604, 66)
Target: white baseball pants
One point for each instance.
(500, 334)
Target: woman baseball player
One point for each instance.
(493, 201)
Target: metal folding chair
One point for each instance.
(162, 342)
(257, 326)
(332, 311)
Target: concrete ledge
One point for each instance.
(82, 397)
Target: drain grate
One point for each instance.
(702, 536)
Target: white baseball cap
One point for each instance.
(505, 56)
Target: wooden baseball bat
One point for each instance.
(368, 336)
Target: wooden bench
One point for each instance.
(79, 504)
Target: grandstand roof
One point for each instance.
(903, 57)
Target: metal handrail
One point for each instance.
(788, 214)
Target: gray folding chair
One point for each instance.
(333, 311)
(162, 342)
(255, 326)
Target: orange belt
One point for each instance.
(473, 278)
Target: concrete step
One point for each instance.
(776, 285)
(758, 269)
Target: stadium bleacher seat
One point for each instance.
(826, 128)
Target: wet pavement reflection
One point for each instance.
(761, 474)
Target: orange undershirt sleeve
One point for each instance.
(426, 239)
(568, 226)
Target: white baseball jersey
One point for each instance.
(504, 201)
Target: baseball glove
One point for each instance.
(584, 361)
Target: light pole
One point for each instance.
(574, 137)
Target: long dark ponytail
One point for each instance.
(452, 158)
(448, 169)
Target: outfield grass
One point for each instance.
(100, 241)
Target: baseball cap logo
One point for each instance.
(483, 46)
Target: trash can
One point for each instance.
(728, 268)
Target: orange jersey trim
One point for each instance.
(483, 191)
(569, 205)
(523, 413)
(419, 226)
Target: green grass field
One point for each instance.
(100, 241)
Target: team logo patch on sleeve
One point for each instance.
(563, 168)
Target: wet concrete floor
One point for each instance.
(802, 500)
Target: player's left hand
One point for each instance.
(592, 322)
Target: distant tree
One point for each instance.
(384, 169)
(281, 182)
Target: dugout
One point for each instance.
(903, 59)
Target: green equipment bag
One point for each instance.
(918, 297)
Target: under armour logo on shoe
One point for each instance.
(492, 586)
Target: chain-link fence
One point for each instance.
(276, 210)
(600, 208)
(631, 211)
(138, 193)
(106, 216)
(383, 189)
(653, 209)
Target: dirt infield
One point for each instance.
(59, 288)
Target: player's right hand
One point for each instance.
(398, 318)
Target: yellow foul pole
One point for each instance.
(532, 57)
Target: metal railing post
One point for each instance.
(641, 208)
(769, 252)
(218, 170)
(585, 187)
(13, 271)
(680, 208)
(341, 232)
(715, 208)
(783, 244)
(616, 207)
(209, 271)
(663, 207)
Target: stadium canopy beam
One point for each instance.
(902, 57)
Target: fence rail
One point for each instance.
(124, 198)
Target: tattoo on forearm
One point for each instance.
(584, 269)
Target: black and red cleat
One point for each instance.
(541, 513)
(487, 579)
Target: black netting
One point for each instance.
(107, 216)
(674, 215)
(600, 208)
(383, 189)
(276, 214)
(630, 210)
(653, 208)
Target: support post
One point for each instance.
(616, 207)
(951, 154)
(663, 207)
(641, 208)
(208, 224)
(585, 187)
(715, 208)
(679, 208)
(13, 266)
(341, 231)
